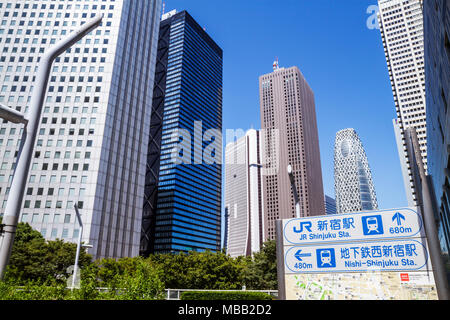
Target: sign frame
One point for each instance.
(424, 261)
(410, 214)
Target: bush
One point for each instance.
(32, 291)
(143, 284)
(225, 295)
(200, 270)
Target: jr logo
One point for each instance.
(307, 226)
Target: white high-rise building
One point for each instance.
(353, 182)
(93, 137)
(243, 195)
(401, 24)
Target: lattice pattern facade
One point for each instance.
(352, 176)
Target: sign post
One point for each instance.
(280, 261)
(427, 203)
(347, 249)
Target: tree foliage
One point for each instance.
(39, 268)
(200, 270)
(35, 259)
(261, 269)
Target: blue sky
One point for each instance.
(340, 57)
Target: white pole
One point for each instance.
(80, 234)
(294, 190)
(12, 115)
(15, 198)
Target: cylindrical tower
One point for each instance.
(352, 176)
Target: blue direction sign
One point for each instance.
(398, 217)
(361, 226)
(299, 255)
(386, 255)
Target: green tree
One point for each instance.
(261, 269)
(35, 259)
(175, 269)
(89, 285)
(122, 279)
(28, 256)
(200, 270)
(61, 255)
(208, 270)
(143, 283)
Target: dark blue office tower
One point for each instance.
(437, 81)
(183, 181)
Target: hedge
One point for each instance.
(225, 295)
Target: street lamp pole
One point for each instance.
(294, 191)
(77, 256)
(15, 198)
(12, 115)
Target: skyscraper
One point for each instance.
(330, 205)
(182, 207)
(353, 183)
(289, 135)
(401, 24)
(95, 123)
(437, 68)
(243, 195)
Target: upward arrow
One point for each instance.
(398, 217)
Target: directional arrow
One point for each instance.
(299, 255)
(398, 217)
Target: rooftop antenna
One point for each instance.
(276, 64)
(164, 8)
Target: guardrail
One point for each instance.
(175, 294)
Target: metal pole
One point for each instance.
(280, 260)
(294, 190)
(80, 234)
(12, 115)
(423, 191)
(15, 198)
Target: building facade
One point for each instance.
(353, 183)
(94, 128)
(182, 205)
(290, 136)
(330, 205)
(399, 133)
(243, 195)
(401, 24)
(437, 70)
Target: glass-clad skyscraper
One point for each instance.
(437, 69)
(182, 204)
(330, 205)
(352, 176)
(93, 133)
